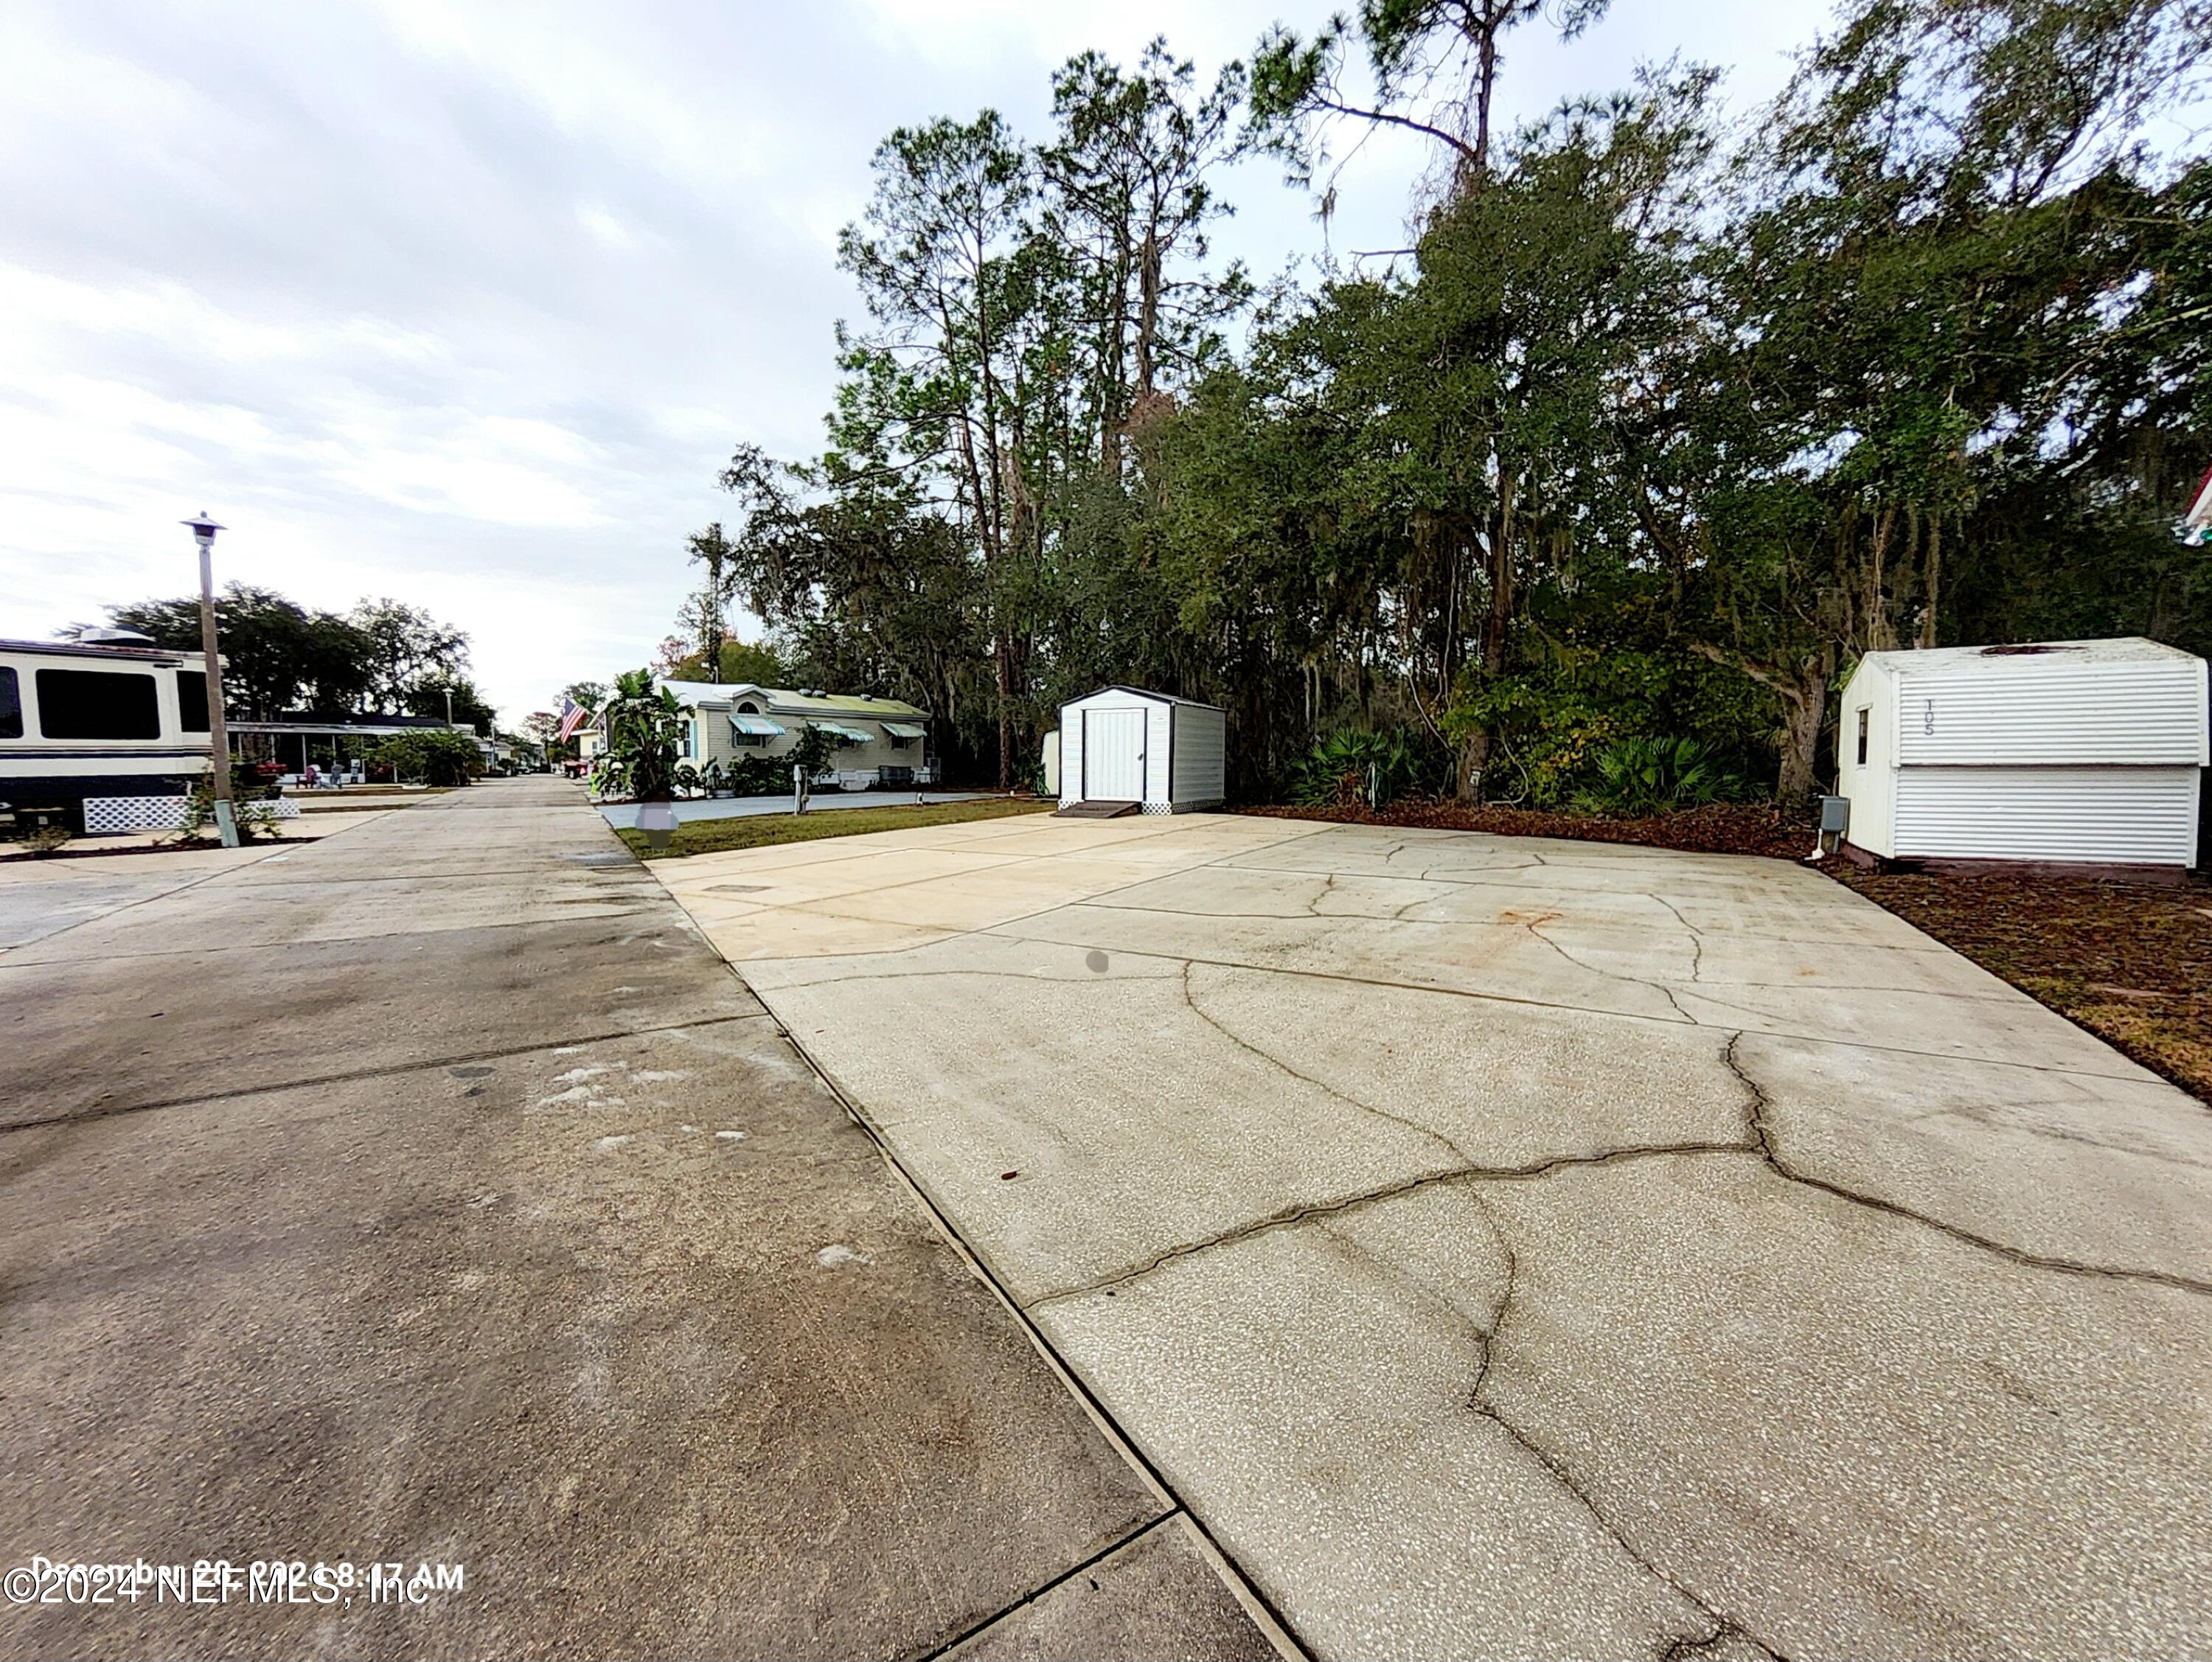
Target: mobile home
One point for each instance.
(881, 742)
(2074, 752)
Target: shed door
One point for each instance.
(1114, 754)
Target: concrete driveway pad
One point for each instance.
(533, 1247)
(1517, 1247)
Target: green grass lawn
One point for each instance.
(759, 831)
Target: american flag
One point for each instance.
(573, 716)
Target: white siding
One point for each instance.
(1159, 721)
(1072, 781)
(2016, 712)
(1200, 758)
(1872, 787)
(1070, 755)
(1182, 739)
(2121, 815)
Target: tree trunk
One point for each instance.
(1148, 311)
(1934, 580)
(1474, 759)
(1002, 658)
(1804, 704)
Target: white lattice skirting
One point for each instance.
(105, 816)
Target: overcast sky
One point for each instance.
(466, 305)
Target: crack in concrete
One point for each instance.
(1680, 1645)
(1274, 1060)
(1535, 928)
(1327, 887)
(1755, 1121)
(1700, 1646)
(1697, 937)
(1309, 1211)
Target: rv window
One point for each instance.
(191, 701)
(11, 706)
(92, 704)
(1862, 734)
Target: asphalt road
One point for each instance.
(1522, 1248)
(431, 1193)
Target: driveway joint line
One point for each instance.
(1062, 1579)
(1509, 998)
(1246, 1590)
(292, 941)
(118, 1111)
(129, 906)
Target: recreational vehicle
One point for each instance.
(106, 717)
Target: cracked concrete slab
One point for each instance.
(567, 1267)
(1512, 1247)
(1852, 1434)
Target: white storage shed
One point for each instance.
(2081, 752)
(1118, 744)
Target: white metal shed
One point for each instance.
(2083, 752)
(1124, 745)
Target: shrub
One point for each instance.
(644, 739)
(814, 750)
(435, 756)
(1350, 768)
(249, 806)
(760, 775)
(1638, 778)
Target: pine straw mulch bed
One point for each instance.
(2130, 962)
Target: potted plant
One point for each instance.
(642, 759)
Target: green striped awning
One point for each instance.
(759, 726)
(905, 730)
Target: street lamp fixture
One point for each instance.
(226, 812)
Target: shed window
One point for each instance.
(191, 701)
(11, 706)
(93, 704)
(1862, 734)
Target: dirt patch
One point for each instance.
(2131, 962)
(1717, 828)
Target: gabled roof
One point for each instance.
(794, 701)
(1140, 692)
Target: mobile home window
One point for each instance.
(11, 706)
(95, 704)
(191, 701)
(1862, 734)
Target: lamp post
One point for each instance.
(226, 814)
